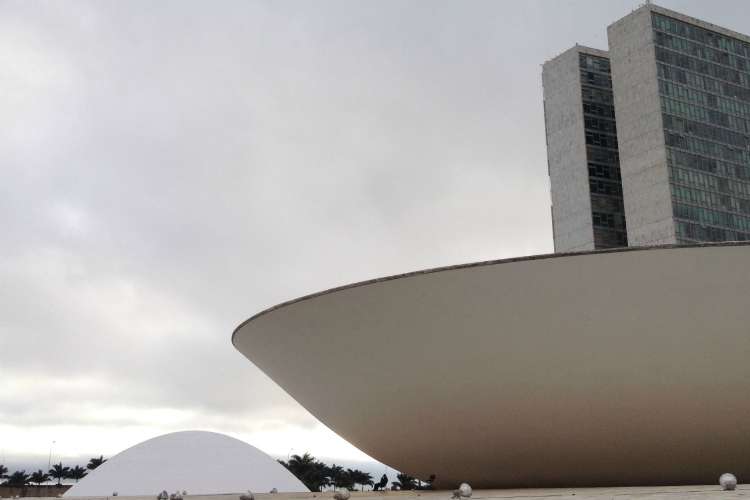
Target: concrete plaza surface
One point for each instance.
(649, 493)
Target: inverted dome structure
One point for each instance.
(621, 367)
(197, 461)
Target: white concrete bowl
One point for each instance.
(627, 367)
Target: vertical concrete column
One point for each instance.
(566, 153)
(640, 132)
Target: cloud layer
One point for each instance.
(171, 168)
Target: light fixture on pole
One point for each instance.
(49, 460)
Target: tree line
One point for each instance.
(58, 471)
(316, 475)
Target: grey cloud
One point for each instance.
(171, 168)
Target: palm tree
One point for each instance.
(345, 480)
(405, 482)
(95, 462)
(353, 476)
(77, 473)
(312, 472)
(361, 478)
(336, 473)
(59, 472)
(18, 478)
(297, 462)
(365, 479)
(3, 471)
(39, 477)
(320, 475)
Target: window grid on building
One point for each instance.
(605, 186)
(704, 86)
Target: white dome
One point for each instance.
(197, 461)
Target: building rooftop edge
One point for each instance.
(593, 51)
(688, 19)
(579, 48)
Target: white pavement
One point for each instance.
(646, 493)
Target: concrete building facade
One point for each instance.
(582, 156)
(681, 91)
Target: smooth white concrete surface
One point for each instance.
(197, 461)
(610, 368)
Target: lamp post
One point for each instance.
(49, 460)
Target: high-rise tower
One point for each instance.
(677, 163)
(682, 94)
(587, 206)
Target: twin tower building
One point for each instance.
(649, 143)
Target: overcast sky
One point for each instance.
(171, 168)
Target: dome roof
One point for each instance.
(197, 461)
